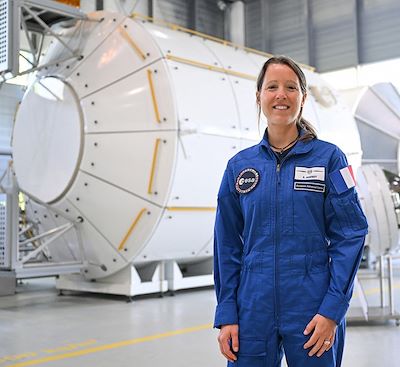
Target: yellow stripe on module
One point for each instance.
(110, 346)
(177, 27)
(153, 96)
(210, 67)
(129, 39)
(153, 166)
(191, 208)
(133, 225)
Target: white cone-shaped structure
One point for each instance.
(377, 112)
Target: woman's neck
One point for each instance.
(280, 136)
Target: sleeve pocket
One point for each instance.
(350, 215)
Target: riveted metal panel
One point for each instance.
(326, 34)
(172, 11)
(335, 34)
(209, 18)
(253, 24)
(288, 29)
(379, 30)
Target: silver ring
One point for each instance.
(327, 342)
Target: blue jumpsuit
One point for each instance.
(288, 241)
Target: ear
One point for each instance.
(303, 99)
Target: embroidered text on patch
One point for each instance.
(309, 186)
(247, 180)
(310, 173)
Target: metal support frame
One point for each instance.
(45, 27)
(99, 4)
(193, 6)
(357, 31)
(27, 266)
(386, 309)
(310, 33)
(36, 18)
(56, 232)
(265, 25)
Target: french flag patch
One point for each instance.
(343, 179)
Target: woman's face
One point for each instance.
(280, 96)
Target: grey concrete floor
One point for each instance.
(40, 328)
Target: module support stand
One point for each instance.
(386, 310)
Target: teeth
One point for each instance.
(281, 107)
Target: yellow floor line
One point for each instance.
(121, 344)
(371, 291)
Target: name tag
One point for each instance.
(310, 173)
(309, 186)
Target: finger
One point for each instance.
(226, 351)
(220, 346)
(323, 349)
(235, 342)
(313, 339)
(332, 339)
(222, 340)
(316, 347)
(326, 345)
(310, 327)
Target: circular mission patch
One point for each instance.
(247, 180)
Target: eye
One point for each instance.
(271, 87)
(292, 87)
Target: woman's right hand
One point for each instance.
(229, 334)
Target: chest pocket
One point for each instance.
(306, 187)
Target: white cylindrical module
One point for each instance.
(134, 138)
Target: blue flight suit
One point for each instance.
(287, 245)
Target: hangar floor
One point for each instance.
(40, 328)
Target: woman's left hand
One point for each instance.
(323, 335)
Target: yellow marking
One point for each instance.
(191, 208)
(16, 357)
(110, 346)
(211, 67)
(370, 291)
(128, 38)
(70, 347)
(122, 244)
(176, 27)
(153, 167)
(153, 96)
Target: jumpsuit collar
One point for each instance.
(300, 147)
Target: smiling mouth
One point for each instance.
(280, 107)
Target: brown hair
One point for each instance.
(301, 122)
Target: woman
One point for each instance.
(289, 237)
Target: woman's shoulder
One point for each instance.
(248, 153)
(327, 148)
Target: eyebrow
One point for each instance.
(275, 81)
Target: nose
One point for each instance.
(280, 94)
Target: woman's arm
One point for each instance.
(228, 248)
(346, 228)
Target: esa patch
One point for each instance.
(309, 186)
(247, 180)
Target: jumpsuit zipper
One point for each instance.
(277, 236)
(277, 240)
